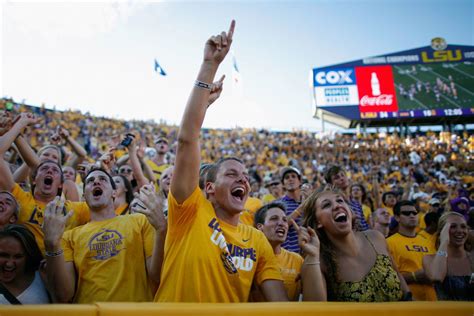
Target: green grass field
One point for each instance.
(462, 75)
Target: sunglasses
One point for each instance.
(125, 171)
(408, 213)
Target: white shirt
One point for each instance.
(34, 294)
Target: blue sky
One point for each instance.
(99, 56)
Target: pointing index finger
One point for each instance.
(221, 79)
(230, 34)
(295, 226)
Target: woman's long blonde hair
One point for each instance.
(326, 247)
(442, 222)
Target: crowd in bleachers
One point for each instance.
(99, 209)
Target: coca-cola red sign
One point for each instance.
(376, 89)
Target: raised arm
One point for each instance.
(6, 140)
(376, 191)
(436, 266)
(79, 151)
(152, 208)
(312, 278)
(186, 172)
(135, 163)
(408, 187)
(60, 274)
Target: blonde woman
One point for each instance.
(452, 267)
(341, 264)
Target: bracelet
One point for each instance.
(203, 85)
(316, 263)
(442, 253)
(414, 277)
(54, 253)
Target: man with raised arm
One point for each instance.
(209, 256)
(110, 259)
(47, 183)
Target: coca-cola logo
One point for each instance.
(376, 89)
(381, 100)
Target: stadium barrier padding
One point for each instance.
(49, 310)
(255, 309)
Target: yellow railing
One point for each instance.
(253, 309)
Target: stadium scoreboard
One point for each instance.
(431, 82)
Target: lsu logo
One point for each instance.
(334, 77)
(442, 56)
(416, 248)
(106, 244)
(439, 43)
(233, 257)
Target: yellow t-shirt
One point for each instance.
(122, 210)
(248, 214)
(407, 253)
(109, 257)
(267, 198)
(290, 266)
(195, 267)
(421, 222)
(431, 238)
(367, 212)
(31, 214)
(389, 210)
(157, 170)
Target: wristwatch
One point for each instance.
(442, 253)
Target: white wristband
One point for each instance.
(203, 85)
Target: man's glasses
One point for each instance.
(125, 170)
(408, 213)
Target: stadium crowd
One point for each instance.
(97, 209)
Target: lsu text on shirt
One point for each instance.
(408, 253)
(195, 269)
(110, 259)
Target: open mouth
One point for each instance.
(459, 237)
(238, 192)
(97, 192)
(341, 217)
(8, 270)
(281, 232)
(48, 180)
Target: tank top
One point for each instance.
(456, 287)
(380, 284)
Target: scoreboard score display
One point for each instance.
(428, 82)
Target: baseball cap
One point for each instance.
(161, 139)
(421, 195)
(286, 170)
(434, 201)
(272, 180)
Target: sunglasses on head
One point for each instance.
(408, 213)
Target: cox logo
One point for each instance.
(334, 77)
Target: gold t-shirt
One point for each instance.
(195, 268)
